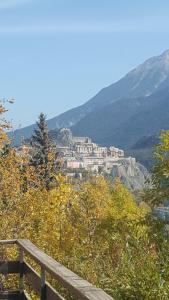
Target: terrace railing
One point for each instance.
(78, 287)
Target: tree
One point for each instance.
(92, 226)
(41, 152)
(160, 173)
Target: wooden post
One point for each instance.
(43, 287)
(21, 283)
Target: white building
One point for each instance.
(90, 156)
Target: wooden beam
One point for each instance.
(34, 280)
(13, 295)
(32, 277)
(82, 289)
(9, 267)
(7, 242)
(25, 296)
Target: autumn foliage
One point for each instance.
(95, 227)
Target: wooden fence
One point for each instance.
(78, 287)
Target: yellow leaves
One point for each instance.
(123, 204)
(91, 226)
(159, 190)
(3, 124)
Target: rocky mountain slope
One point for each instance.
(144, 150)
(139, 133)
(133, 175)
(127, 120)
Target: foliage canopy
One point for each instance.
(93, 227)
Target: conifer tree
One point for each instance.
(41, 150)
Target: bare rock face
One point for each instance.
(62, 137)
(131, 173)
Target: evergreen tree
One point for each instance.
(41, 151)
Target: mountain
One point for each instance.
(61, 137)
(144, 149)
(127, 120)
(146, 142)
(122, 103)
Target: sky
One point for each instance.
(57, 54)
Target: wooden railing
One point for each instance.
(78, 287)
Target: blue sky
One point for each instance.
(56, 54)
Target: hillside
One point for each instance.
(144, 149)
(127, 120)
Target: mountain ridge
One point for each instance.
(140, 83)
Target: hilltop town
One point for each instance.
(81, 153)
